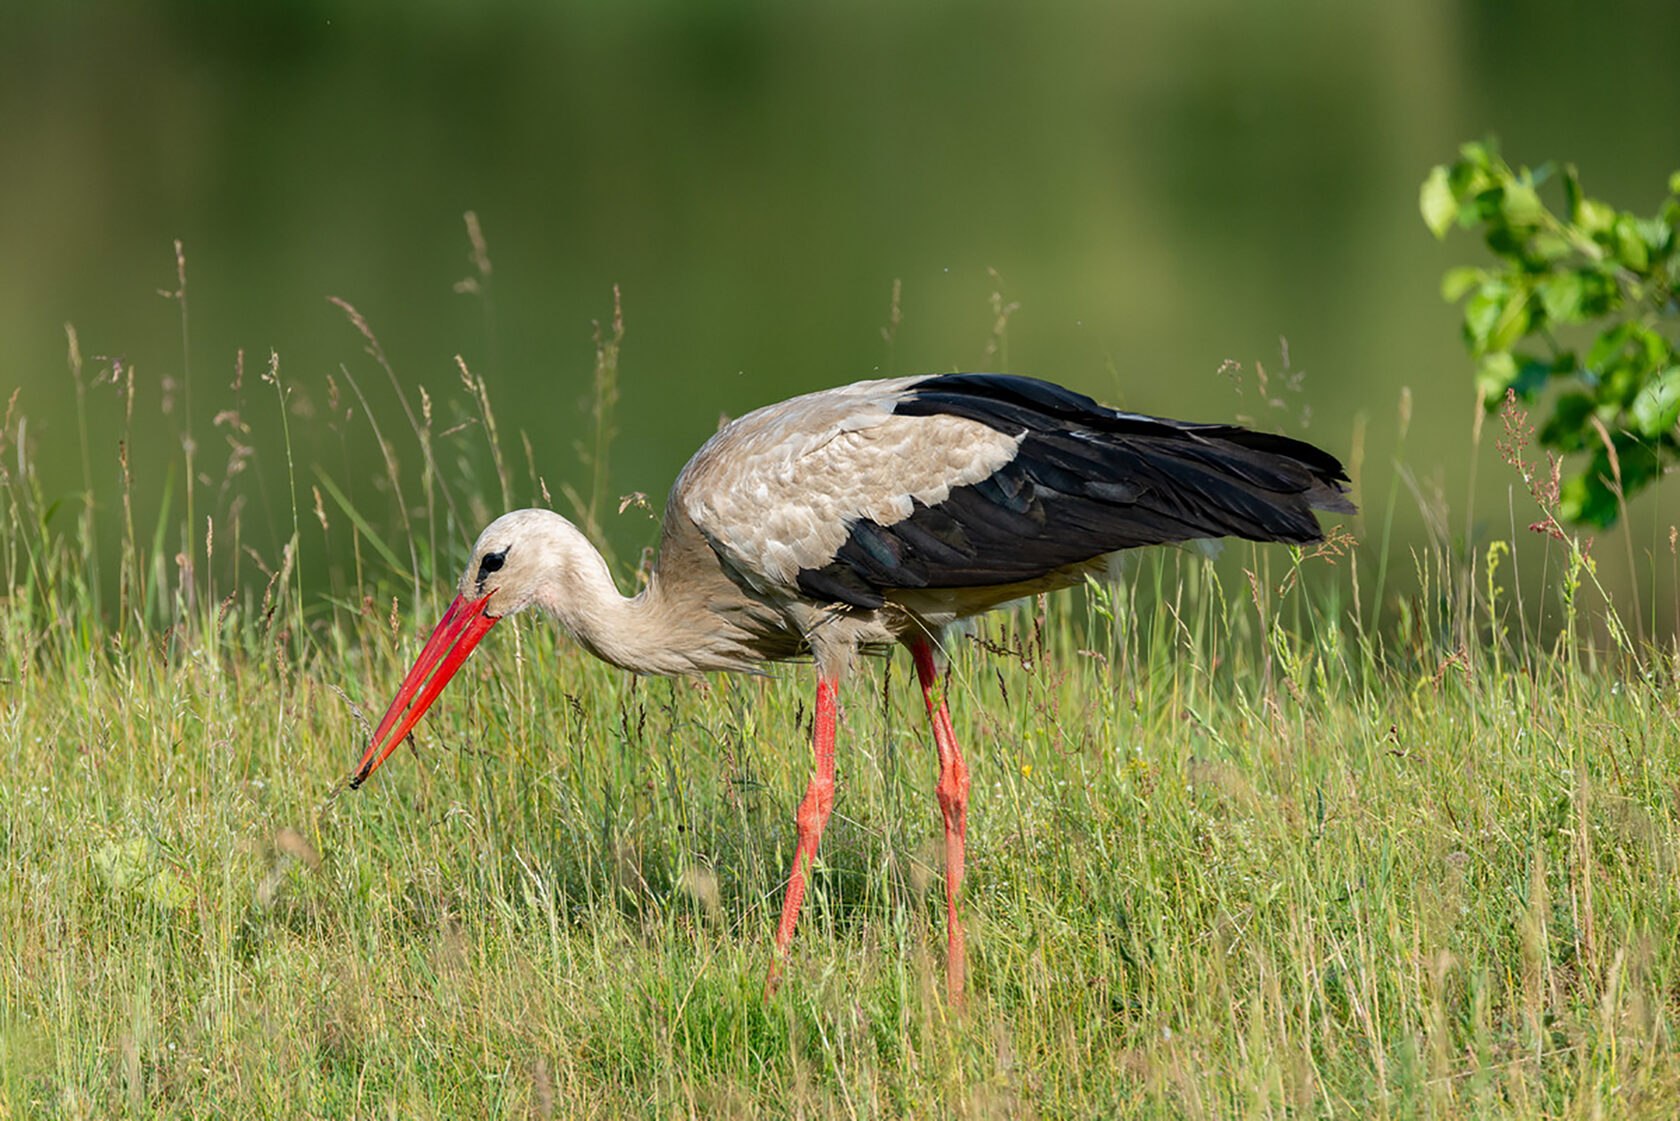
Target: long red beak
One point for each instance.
(461, 628)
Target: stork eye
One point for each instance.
(492, 562)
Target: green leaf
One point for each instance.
(1577, 295)
(1674, 183)
(1532, 376)
(1630, 247)
(1641, 463)
(1669, 215)
(1521, 205)
(1621, 385)
(1608, 345)
(1586, 500)
(1656, 409)
(1459, 281)
(1594, 218)
(1601, 294)
(1482, 312)
(1437, 203)
(1570, 426)
(1562, 296)
(1515, 320)
(1523, 373)
(1572, 193)
(1545, 247)
(1488, 206)
(1494, 375)
(1656, 234)
(1480, 154)
(1654, 347)
(1629, 350)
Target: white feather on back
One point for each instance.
(779, 489)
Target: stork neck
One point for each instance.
(638, 633)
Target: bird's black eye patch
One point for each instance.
(492, 562)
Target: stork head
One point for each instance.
(519, 559)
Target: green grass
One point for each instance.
(1237, 847)
(1211, 875)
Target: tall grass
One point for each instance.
(1240, 845)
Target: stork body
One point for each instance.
(870, 515)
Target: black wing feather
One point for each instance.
(1086, 480)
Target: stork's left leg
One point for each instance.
(953, 803)
(813, 815)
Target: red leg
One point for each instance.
(953, 802)
(813, 815)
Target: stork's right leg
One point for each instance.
(953, 804)
(813, 815)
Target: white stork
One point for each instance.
(875, 514)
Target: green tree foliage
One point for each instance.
(1580, 305)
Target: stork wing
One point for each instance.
(779, 491)
(969, 480)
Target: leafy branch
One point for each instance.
(1581, 302)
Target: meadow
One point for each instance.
(1241, 844)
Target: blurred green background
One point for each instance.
(1160, 187)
